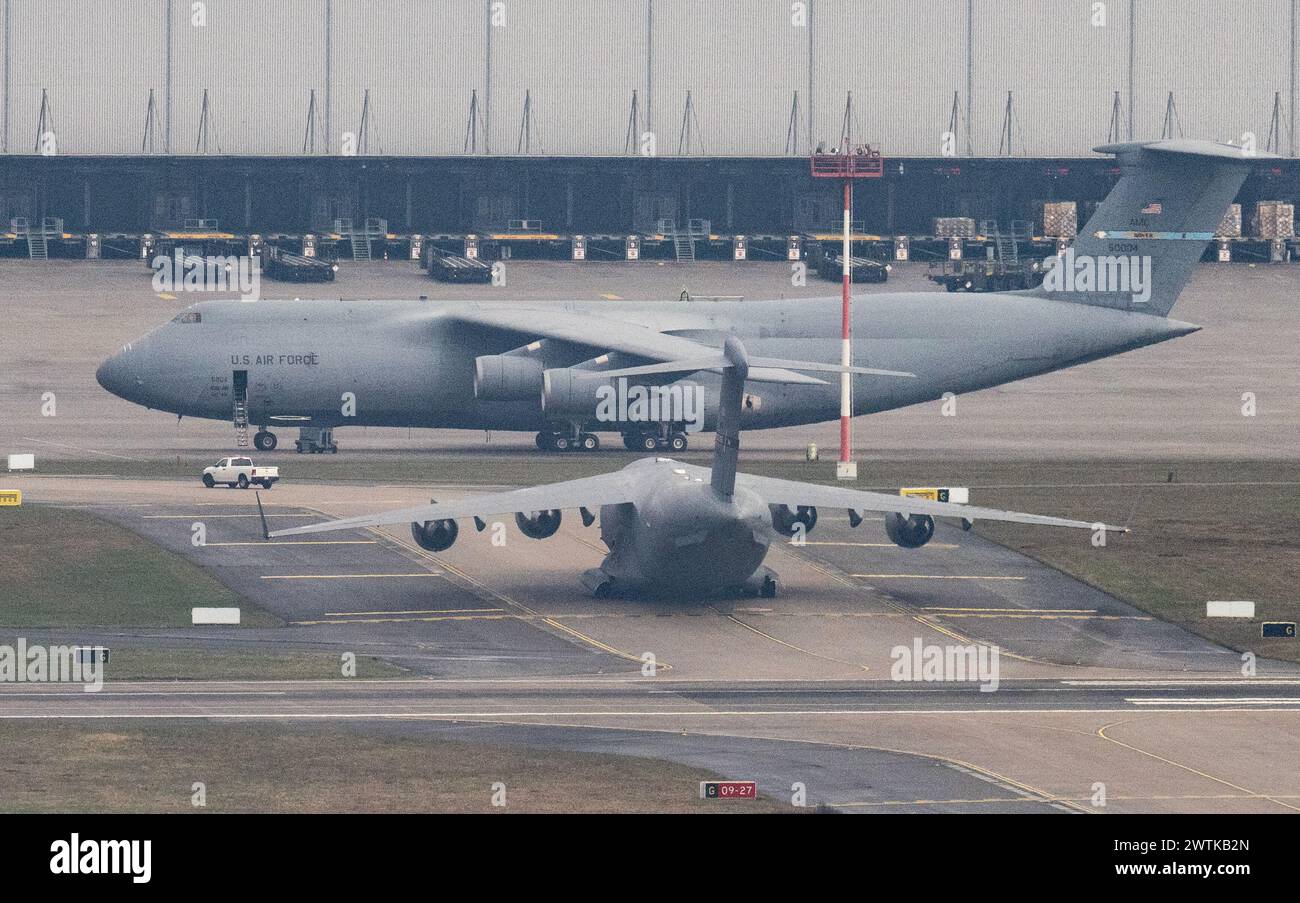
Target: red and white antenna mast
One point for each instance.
(848, 164)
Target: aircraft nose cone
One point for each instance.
(115, 375)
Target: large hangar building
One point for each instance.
(610, 117)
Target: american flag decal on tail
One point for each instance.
(1153, 207)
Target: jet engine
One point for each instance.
(786, 522)
(539, 524)
(507, 377)
(909, 532)
(435, 535)
(569, 391)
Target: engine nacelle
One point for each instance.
(540, 525)
(507, 377)
(786, 522)
(569, 391)
(435, 535)
(909, 532)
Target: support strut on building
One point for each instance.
(1172, 119)
(527, 126)
(631, 141)
(792, 132)
(369, 125)
(207, 128)
(473, 124)
(1010, 126)
(1273, 144)
(846, 127)
(45, 124)
(152, 125)
(1115, 133)
(313, 124)
(690, 128)
(954, 123)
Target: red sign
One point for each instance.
(728, 790)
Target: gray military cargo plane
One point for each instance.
(674, 528)
(547, 367)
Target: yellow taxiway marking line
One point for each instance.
(416, 611)
(167, 296)
(496, 594)
(345, 576)
(1101, 732)
(829, 658)
(609, 296)
(933, 577)
(302, 542)
(1044, 611)
(869, 545)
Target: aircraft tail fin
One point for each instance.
(726, 441)
(1139, 248)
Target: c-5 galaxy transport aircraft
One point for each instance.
(546, 367)
(686, 530)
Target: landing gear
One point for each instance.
(264, 440)
(313, 440)
(662, 436)
(567, 438)
(599, 583)
(763, 583)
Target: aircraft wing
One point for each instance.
(588, 492)
(594, 331)
(794, 494)
(605, 334)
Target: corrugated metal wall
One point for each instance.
(580, 60)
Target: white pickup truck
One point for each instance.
(239, 472)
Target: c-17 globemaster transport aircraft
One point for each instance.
(546, 367)
(674, 528)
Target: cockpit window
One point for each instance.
(190, 316)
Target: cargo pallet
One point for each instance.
(284, 266)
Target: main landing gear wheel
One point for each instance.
(264, 441)
(648, 443)
(588, 442)
(561, 443)
(678, 442)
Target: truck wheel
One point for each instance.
(266, 484)
(208, 481)
(242, 482)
